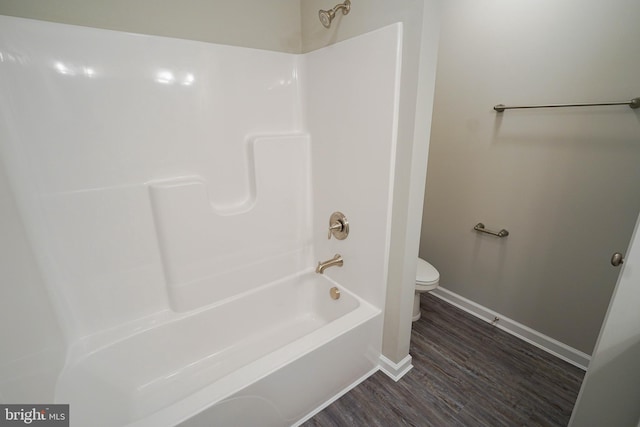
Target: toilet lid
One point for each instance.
(426, 273)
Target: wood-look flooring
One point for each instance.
(466, 373)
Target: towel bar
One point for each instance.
(634, 103)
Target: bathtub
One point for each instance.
(269, 357)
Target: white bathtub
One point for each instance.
(279, 352)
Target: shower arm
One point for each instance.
(346, 7)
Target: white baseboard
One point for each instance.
(395, 371)
(335, 397)
(546, 343)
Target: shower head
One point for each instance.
(326, 16)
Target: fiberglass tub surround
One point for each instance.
(176, 195)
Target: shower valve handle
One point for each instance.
(338, 226)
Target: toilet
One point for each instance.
(427, 278)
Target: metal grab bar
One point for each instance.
(480, 227)
(634, 103)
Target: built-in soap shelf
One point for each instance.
(209, 252)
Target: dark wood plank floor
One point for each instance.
(466, 373)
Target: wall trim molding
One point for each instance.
(395, 371)
(525, 333)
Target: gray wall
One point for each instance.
(272, 25)
(565, 183)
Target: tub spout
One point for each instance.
(335, 261)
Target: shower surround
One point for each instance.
(176, 195)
